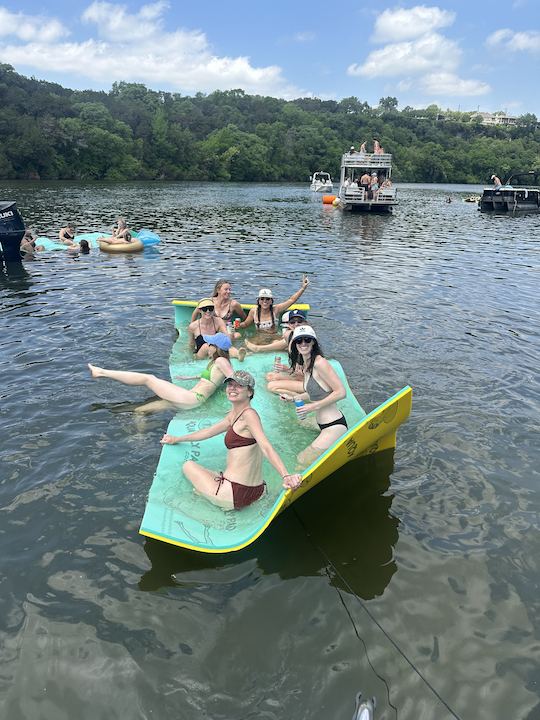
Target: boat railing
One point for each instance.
(360, 195)
(371, 160)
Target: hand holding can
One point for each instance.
(299, 405)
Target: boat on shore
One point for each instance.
(513, 197)
(355, 196)
(175, 514)
(321, 182)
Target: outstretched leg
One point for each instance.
(164, 389)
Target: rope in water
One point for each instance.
(377, 623)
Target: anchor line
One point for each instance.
(377, 623)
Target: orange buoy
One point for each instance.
(328, 199)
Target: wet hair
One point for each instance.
(219, 285)
(84, 246)
(258, 313)
(295, 358)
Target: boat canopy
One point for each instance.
(527, 177)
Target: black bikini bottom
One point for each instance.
(340, 421)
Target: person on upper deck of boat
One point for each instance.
(241, 483)
(322, 389)
(225, 306)
(120, 234)
(265, 314)
(497, 184)
(207, 323)
(290, 319)
(363, 147)
(67, 234)
(211, 378)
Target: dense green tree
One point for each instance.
(48, 131)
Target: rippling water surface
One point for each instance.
(413, 577)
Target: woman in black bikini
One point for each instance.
(67, 234)
(206, 324)
(209, 324)
(241, 483)
(322, 390)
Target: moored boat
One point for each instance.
(321, 182)
(379, 195)
(174, 514)
(512, 197)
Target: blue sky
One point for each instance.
(455, 53)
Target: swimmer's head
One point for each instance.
(85, 247)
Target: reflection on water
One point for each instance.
(364, 521)
(437, 295)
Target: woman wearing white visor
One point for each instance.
(322, 390)
(265, 314)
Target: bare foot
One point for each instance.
(96, 371)
(251, 346)
(242, 354)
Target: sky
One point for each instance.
(458, 54)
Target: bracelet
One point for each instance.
(285, 476)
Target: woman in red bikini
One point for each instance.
(241, 483)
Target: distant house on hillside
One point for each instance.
(497, 118)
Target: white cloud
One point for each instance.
(431, 52)
(443, 83)
(28, 27)
(399, 24)
(137, 48)
(515, 41)
(304, 37)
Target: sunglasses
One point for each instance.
(304, 341)
(266, 299)
(208, 308)
(297, 321)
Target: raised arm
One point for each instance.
(282, 306)
(204, 434)
(249, 320)
(237, 309)
(253, 421)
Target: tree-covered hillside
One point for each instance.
(131, 132)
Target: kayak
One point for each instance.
(175, 514)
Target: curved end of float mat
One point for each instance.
(133, 246)
(373, 433)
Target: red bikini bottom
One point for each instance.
(243, 495)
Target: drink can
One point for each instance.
(299, 403)
(277, 362)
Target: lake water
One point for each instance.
(413, 577)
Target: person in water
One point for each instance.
(241, 482)
(120, 234)
(290, 319)
(225, 306)
(211, 378)
(322, 389)
(209, 324)
(67, 234)
(265, 314)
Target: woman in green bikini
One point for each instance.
(211, 378)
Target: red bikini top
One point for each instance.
(234, 440)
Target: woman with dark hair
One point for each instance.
(265, 314)
(218, 369)
(322, 389)
(241, 482)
